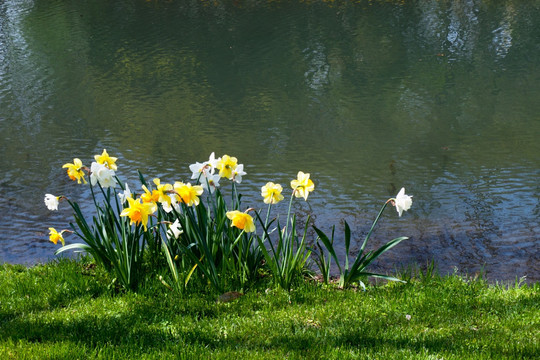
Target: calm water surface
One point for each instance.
(441, 97)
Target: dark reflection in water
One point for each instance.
(368, 96)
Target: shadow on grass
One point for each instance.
(445, 316)
(141, 324)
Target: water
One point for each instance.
(440, 97)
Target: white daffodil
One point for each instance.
(199, 169)
(124, 195)
(210, 182)
(206, 168)
(175, 229)
(212, 161)
(102, 174)
(52, 201)
(237, 173)
(402, 201)
(173, 205)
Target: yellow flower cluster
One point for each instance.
(138, 210)
(167, 195)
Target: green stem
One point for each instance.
(289, 211)
(235, 199)
(266, 221)
(374, 224)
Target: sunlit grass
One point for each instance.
(71, 310)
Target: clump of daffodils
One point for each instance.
(173, 219)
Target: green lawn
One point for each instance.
(70, 310)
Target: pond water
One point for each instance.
(439, 97)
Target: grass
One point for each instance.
(71, 310)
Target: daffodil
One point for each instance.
(201, 169)
(175, 229)
(212, 161)
(402, 201)
(226, 166)
(149, 196)
(164, 191)
(303, 185)
(188, 194)
(210, 182)
(241, 220)
(54, 236)
(102, 174)
(138, 212)
(75, 171)
(125, 194)
(237, 173)
(271, 193)
(106, 160)
(52, 201)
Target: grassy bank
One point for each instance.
(70, 310)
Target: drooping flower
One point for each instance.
(52, 201)
(271, 193)
(303, 185)
(102, 174)
(237, 173)
(138, 212)
(54, 236)
(75, 171)
(125, 194)
(402, 201)
(226, 166)
(241, 220)
(175, 229)
(106, 160)
(188, 194)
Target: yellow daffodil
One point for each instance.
(54, 236)
(106, 160)
(271, 193)
(241, 220)
(75, 171)
(188, 194)
(163, 190)
(303, 185)
(149, 196)
(138, 212)
(226, 165)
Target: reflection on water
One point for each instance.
(368, 96)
